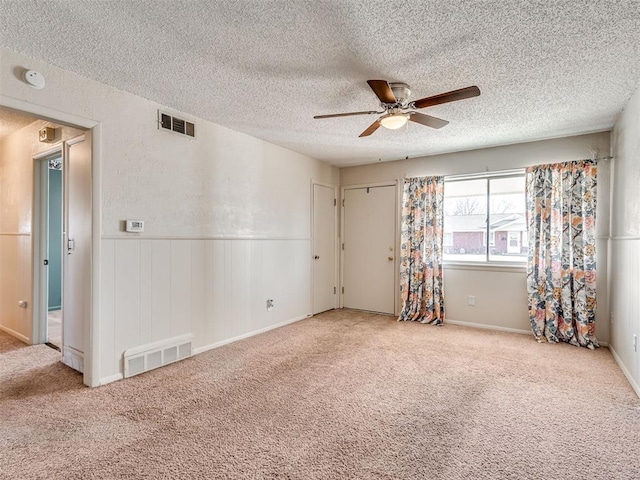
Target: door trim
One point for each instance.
(91, 376)
(396, 235)
(336, 243)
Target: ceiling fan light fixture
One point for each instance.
(394, 121)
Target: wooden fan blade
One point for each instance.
(452, 96)
(333, 115)
(382, 90)
(428, 120)
(372, 128)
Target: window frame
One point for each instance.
(444, 240)
(489, 239)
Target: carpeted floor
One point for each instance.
(341, 395)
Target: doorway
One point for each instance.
(369, 248)
(62, 248)
(513, 243)
(20, 243)
(324, 248)
(54, 251)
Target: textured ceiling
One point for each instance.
(266, 67)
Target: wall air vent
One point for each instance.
(175, 124)
(153, 355)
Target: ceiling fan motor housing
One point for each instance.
(401, 92)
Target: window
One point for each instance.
(485, 218)
(448, 239)
(492, 239)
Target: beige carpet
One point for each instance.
(342, 395)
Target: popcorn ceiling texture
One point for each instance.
(545, 68)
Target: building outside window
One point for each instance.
(485, 218)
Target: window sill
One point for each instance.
(487, 266)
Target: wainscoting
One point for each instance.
(215, 289)
(625, 306)
(15, 284)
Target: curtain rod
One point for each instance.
(507, 172)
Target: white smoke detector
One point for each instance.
(35, 79)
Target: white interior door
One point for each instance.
(369, 249)
(76, 297)
(324, 248)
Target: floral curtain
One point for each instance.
(421, 281)
(561, 269)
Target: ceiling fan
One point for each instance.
(398, 110)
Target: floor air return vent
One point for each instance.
(153, 355)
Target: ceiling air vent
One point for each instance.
(176, 124)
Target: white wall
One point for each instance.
(238, 201)
(501, 298)
(625, 241)
(16, 209)
(155, 289)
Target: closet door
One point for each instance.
(324, 248)
(369, 249)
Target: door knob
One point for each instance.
(390, 258)
(316, 257)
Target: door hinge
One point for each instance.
(343, 202)
(335, 202)
(343, 290)
(343, 246)
(334, 290)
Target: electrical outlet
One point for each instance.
(472, 300)
(269, 304)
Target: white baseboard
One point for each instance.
(500, 329)
(487, 327)
(13, 333)
(119, 376)
(73, 358)
(111, 378)
(247, 335)
(626, 372)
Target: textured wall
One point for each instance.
(220, 183)
(625, 241)
(475, 161)
(625, 216)
(501, 295)
(220, 186)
